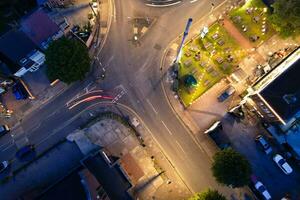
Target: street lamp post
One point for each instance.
(186, 32)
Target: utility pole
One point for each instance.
(186, 32)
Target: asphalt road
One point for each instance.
(135, 70)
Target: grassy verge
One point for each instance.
(251, 19)
(208, 60)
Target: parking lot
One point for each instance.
(242, 137)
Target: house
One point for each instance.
(54, 3)
(19, 53)
(276, 99)
(40, 28)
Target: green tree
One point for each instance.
(286, 17)
(208, 195)
(67, 60)
(231, 168)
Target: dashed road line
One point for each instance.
(180, 147)
(152, 106)
(166, 127)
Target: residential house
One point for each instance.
(276, 98)
(54, 3)
(19, 53)
(41, 29)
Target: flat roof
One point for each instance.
(282, 92)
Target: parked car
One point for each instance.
(220, 139)
(282, 164)
(264, 144)
(22, 152)
(19, 91)
(135, 122)
(214, 126)
(4, 129)
(3, 165)
(260, 189)
(226, 94)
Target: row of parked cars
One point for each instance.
(215, 132)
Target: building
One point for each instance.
(95, 179)
(19, 53)
(40, 29)
(276, 99)
(54, 3)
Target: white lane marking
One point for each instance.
(166, 127)
(152, 106)
(180, 146)
(114, 13)
(193, 1)
(167, 5)
(7, 147)
(3, 145)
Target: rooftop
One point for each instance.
(111, 178)
(282, 92)
(15, 45)
(39, 27)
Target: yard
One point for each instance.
(204, 62)
(252, 20)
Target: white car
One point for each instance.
(262, 190)
(3, 165)
(282, 164)
(95, 5)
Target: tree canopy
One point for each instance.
(67, 60)
(231, 168)
(286, 17)
(208, 195)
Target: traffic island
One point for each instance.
(205, 61)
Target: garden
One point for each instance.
(205, 61)
(252, 20)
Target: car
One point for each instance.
(214, 126)
(135, 122)
(3, 165)
(220, 139)
(4, 129)
(25, 150)
(262, 190)
(19, 91)
(226, 94)
(282, 164)
(264, 144)
(95, 5)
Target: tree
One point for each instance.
(231, 168)
(286, 17)
(67, 60)
(208, 195)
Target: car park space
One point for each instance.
(280, 178)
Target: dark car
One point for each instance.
(24, 151)
(226, 94)
(264, 144)
(3, 130)
(19, 91)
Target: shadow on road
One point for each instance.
(205, 112)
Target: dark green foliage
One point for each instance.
(208, 195)
(286, 17)
(67, 60)
(231, 168)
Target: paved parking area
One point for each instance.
(242, 136)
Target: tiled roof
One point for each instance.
(39, 27)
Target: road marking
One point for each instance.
(152, 106)
(166, 127)
(7, 147)
(114, 13)
(193, 1)
(180, 147)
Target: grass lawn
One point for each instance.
(208, 60)
(250, 19)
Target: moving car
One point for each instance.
(22, 152)
(3, 165)
(4, 129)
(226, 94)
(282, 164)
(264, 144)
